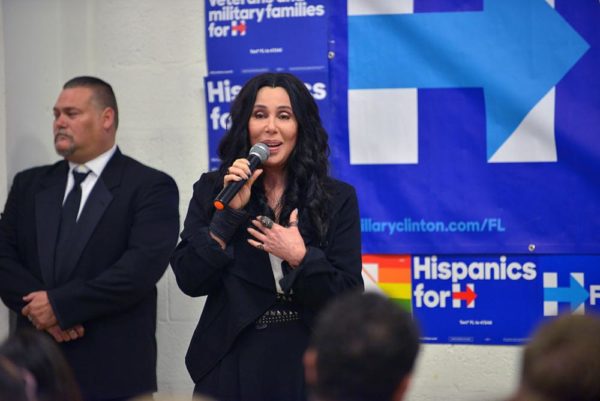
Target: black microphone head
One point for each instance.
(261, 151)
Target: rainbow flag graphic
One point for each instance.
(391, 274)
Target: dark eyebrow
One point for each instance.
(261, 106)
(65, 109)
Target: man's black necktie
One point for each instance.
(68, 219)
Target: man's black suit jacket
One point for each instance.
(126, 233)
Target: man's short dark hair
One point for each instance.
(103, 92)
(366, 345)
(562, 360)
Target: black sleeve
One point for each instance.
(199, 261)
(15, 280)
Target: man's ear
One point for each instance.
(310, 366)
(108, 118)
(400, 391)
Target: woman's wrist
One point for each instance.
(225, 223)
(218, 240)
(297, 260)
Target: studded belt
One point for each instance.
(283, 311)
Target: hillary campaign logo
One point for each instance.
(518, 75)
(571, 298)
(238, 28)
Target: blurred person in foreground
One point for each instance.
(287, 243)
(363, 348)
(169, 397)
(83, 242)
(39, 355)
(562, 361)
(15, 384)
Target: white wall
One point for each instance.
(3, 310)
(152, 52)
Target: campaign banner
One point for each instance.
(466, 126)
(253, 36)
(485, 299)
(470, 126)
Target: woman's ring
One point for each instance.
(293, 223)
(261, 247)
(266, 221)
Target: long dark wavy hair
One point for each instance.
(307, 168)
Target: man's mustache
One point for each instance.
(61, 134)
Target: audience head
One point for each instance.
(195, 397)
(363, 348)
(37, 353)
(16, 384)
(562, 361)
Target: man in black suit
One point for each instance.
(83, 243)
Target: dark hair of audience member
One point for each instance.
(37, 353)
(562, 361)
(13, 386)
(366, 346)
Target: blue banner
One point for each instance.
(469, 130)
(486, 299)
(471, 125)
(252, 36)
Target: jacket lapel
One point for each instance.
(93, 210)
(48, 204)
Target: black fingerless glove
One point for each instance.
(225, 222)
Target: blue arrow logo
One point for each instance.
(517, 50)
(575, 294)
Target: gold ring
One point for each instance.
(261, 247)
(293, 223)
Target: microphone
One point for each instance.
(258, 154)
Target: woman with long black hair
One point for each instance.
(286, 243)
